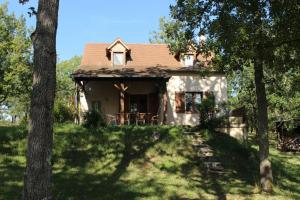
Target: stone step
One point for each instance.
(215, 166)
(205, 149)
(189, 133)
(218, 172)
(197, 140)
(197, 144)
(209, 158)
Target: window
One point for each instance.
(193, 101)
(188, 60)
(188, 102)
(197, 101)
(118, 58)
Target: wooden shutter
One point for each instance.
(153, 103)
(179, 102)
(206, 94)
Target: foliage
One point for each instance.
(93, 119)
(15, 63)
(167, 35)
(63, 113)
(207, 108)
(64, 106)
(65, 85)
(282, 94)
(242, 94)
(129, 163)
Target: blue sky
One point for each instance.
(85, 21)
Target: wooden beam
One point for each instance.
(122, 107)
(163, 103)
(122, 89)
(77, 103)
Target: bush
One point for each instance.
(63, 113)
(206, 109)
(93, 119)
(24, 121)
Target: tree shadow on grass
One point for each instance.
(118, 150)
(11, 179)
(135, 146)
(12, 144)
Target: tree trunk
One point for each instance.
(266, 178)
(37, 179)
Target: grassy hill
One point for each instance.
(146, 163)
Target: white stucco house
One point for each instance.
(123, 80)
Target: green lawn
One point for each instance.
(145, 163)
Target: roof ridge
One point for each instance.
(146, 44)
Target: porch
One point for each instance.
(121, 101)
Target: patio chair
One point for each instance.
(140, 118)
(154, 120)
(111, 119)
(127, 118)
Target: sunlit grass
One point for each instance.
(150, 163)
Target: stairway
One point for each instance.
(205, 153)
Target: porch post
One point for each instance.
(163, 103)
(122, 88)
(122, 107)
(77, 104)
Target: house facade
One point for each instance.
(123, 81)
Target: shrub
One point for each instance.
(206, 109)
(93, 119)
(63, 113)
(24, 121)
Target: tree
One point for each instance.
(64, 106)
(65, 85)
(37, 179)
(262, 34)
(15, 54)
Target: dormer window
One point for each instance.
(188, 60)
(118, 58)
(117, 53)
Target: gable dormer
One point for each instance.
(117, 52)
(189, 57)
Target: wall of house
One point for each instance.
(105, 93)
(193, 83)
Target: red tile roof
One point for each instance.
(142, 59)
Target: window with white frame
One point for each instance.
(118, 58)
(188, 60)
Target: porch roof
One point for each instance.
(120, 72)
(126, 72)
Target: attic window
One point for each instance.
(188, 60)
(118, 58)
